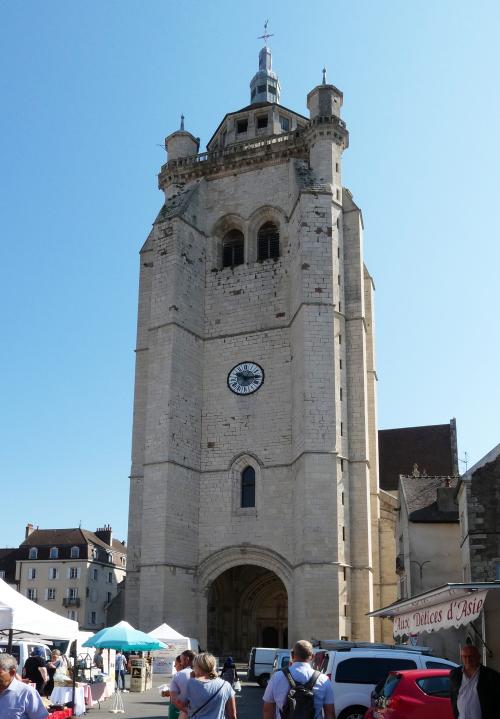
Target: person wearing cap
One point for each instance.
(17, 700)
(35, 669)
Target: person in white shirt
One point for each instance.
(17, 700)
(179, 682)
(301, 670)
(120, 664)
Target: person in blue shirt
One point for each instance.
(17, 700)
(301, 670)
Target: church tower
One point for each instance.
(254, 516)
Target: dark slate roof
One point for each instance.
(431, 447)
(8, 557)
(420, 495)
(73, 537)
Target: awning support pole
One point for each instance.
(9, 642)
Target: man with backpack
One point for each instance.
(299, 692)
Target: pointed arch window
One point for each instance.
(248, 487)
(233, 248)
(268, 241)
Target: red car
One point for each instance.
(413, 694)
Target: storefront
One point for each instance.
(449, 616)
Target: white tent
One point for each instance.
(166, 634)
(27, 619)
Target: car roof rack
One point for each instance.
(341, 645)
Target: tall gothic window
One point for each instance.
(248, 487)
(268, 241)
(232, 248)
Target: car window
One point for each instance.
(435, 686)
(437, 665)
(369, 670)
(390, 684)
(285, 661)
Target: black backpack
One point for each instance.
(299, 702)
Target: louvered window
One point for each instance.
(233, 249)
(268, 241)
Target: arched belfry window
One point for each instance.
(268, 241)
(248, 487)
(233, 248)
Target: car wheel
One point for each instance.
(355, 712)
(262, 680)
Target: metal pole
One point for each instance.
(9, 642)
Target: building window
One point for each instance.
(110, 577)
(72, 592)
(261, 88)
(54, 553)
(341, 429)
(73, 573)
(248, 487)
(233, 248)
(343, 534)
(53, 573)
(262, 122)
(72, 614)
(108, 597)
(341, 465)
(268, 242)
(31, 594)
(284, 123)
(33, 553)
(340, 364)
(341, 394)
(340, 339)
(75, 552)
(93, 617)
(497, 571)
(241, 126)
(271, 89)
(95, 553)
(124, 561)
(110, 558)
(2, 573)
(94, 574)
(343, 499)
(51, 593)
(31, 573)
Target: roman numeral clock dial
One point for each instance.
(245, 378)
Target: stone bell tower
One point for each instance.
(254, 490)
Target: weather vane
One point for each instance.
(266, 35)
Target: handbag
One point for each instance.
(237, 686)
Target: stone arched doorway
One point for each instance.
(247, 606)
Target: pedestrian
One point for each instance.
(17, 699)
(56, 663)
(312, 690)
(207, 695)
(180, 680)
(229, 672)
(173, 711)
(474, 688)
(35, 669)
(120, 664)
(98, 660)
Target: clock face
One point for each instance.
(245, 378)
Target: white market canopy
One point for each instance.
(28, 619)
(451, 605)
(166, 634)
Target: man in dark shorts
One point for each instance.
(35, 669)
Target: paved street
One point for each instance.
(150, 705)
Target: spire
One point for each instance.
(265, 86)
(324, 76)
(182, 123)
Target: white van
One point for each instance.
(260, 664)
(355, 670)
(21, 650)
(282, 660)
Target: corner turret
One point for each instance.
(181, 143)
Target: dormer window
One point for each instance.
(33, 553)
(75, 552)
(241, 126)
(262, 122)
(54, 553)
(233, 248)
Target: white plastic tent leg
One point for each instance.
(117, 706)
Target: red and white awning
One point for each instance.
(452, 605)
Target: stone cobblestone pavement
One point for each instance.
(149, 705)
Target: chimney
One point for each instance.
(105, 533)
(446, 499)
(29, 530)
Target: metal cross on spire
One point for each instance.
(324, 75)
(266, 34)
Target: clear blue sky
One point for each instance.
(89, 89)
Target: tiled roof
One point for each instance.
(69, 537)
(420, 495)
(431, 447)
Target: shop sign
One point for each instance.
(452, 613)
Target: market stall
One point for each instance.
(163, 659)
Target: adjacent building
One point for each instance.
(74, 572)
